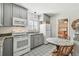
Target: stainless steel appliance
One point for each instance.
(19, 22)
(21, 43)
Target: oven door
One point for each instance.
(20, 43)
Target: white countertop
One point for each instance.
(58, 41)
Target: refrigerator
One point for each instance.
(46, 30)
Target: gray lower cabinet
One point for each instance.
(32, 41)
(36, 40)
(1, 13)
(41, 39)
(7, 14)
(8, 47)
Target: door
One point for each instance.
(1, 14)
(7, 8)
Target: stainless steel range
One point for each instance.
(21, 43)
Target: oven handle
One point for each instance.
(19, 35)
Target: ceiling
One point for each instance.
(49, 8)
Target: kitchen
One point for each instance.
(27, 33)
(15, 35)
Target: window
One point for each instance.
(33, 25)
(30, 25)
(33, 22)
(36, 25)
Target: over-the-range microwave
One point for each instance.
(19, 21)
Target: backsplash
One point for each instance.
(5, 29)
(13, 29)
(19, 29)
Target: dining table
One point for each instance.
(60, 42)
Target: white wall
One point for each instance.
(54, 26)
(68, 13)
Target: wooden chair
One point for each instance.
(63, 51)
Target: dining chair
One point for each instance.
(62, 51)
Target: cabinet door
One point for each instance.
(7, 12)
(36, 40)
(23, 13)
(16, 11)
(41, 39)
(32, 41)
(1, 13)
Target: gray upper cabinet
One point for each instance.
(19, 12)
(16, 11)
(23, 13)
(10, 10)
(7, 14)
(1, 14)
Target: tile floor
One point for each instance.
(42, 50)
